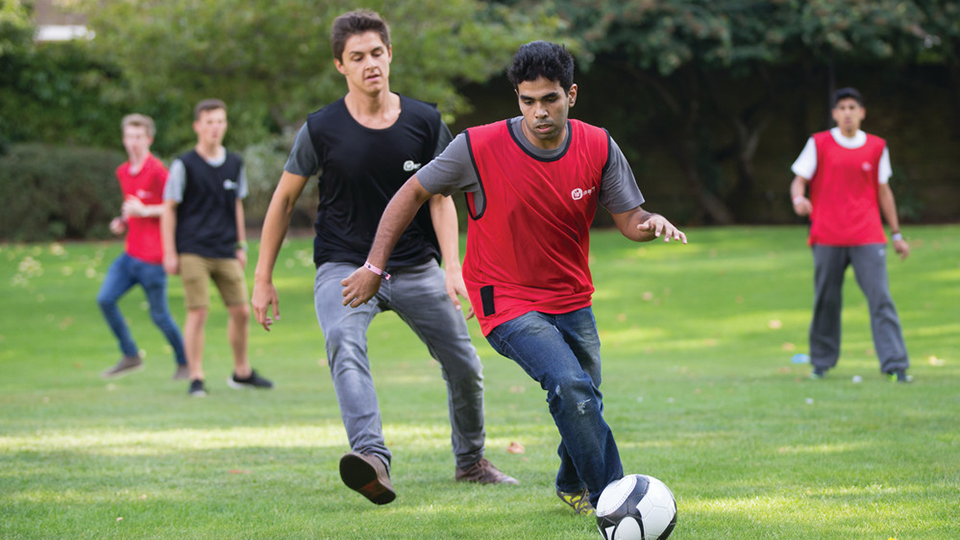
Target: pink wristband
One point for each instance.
(376, 270)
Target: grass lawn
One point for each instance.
(699, 389)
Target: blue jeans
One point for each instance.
(419, 296)
(124, 273)
(562, 353)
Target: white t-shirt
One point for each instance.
(806, 165)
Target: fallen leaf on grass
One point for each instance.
(515, 448)
(239, 471)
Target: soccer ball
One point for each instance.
(636, 507)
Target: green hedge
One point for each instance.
(55, 193)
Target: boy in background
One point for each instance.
(142, 179)
(204, 238)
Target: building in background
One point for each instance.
(57, 24)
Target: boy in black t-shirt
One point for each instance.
(204, 239)
(365, 146)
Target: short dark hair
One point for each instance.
(353, 23)
(208, 105)
(542, 59)
(847, 93)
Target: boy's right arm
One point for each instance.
(275, 225)
(798, 192)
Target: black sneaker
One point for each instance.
(818, 373)
(127, 364)
(253, 381)
(197, 389)
(900, 376)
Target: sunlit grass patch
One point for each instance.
(699, 387)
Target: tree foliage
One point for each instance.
(52, 92)
(270, 60)
(683, 56)
(16, 31)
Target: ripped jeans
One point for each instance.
(562, 353)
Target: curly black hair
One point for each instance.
(542, 59)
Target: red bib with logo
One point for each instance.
(844, 193)
(528, 247)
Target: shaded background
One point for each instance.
(710, 100)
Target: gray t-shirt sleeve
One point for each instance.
(618, 187)
(451, 171)
(176, 180)
(242, 190)
(303, 159)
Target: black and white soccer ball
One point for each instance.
(636, 507)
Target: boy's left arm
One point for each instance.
(642, 226)
(888, 207)
(241, 247)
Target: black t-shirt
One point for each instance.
(360, 170)
(207, 215)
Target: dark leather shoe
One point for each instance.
(368, 476)
(484, 472)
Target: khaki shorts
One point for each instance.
(196, 273)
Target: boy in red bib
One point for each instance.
(848, 173)
(533, 184)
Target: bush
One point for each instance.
(264, 163)
(54, 193)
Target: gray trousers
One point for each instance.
(419, 296)
(870, 268)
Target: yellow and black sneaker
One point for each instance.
(578, 500)
(900, 376)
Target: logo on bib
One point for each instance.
(866, 167)
(230, 184)
(409, 165)
(578, 193)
